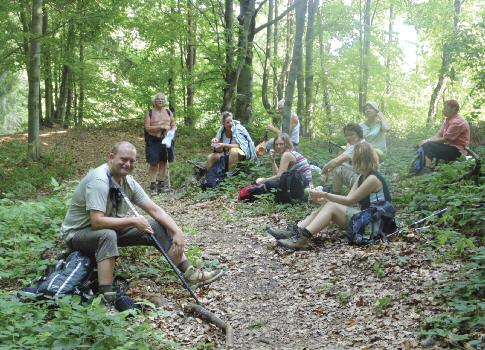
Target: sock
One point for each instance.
(306, 233)
(105, 288)
(183, 266)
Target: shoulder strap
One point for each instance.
(169, 112)
(385, 189)
(150, 113)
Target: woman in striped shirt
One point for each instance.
(290, 160)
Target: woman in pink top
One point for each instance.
(451, 139)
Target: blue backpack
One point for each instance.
(417, 163)
(380, 217)
(215, 175)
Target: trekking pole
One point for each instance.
(158, 245)
(437, 213)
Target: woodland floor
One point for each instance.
(324, 298)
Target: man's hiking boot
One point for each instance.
(199, 277)
(160, 186)
(279, 233)
(299, 241)
(109, 298)
(153, 189)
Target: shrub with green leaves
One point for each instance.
(70, 325)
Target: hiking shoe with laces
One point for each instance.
(160, 187)
(153, 189)
(109, 298)
(279, 233)
(299, 241)
(199, 277)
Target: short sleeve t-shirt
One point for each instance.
(228, 140)
(375, 135)
(456, 132)
(349, 151)
(92, 194)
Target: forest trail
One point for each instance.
(333, 296)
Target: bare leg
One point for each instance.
(233, 158)
(106, 270)
(162, 171)
(331, 212)
(212, 159)
(309, 218)
(152, 172)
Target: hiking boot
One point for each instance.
(109, 298)
(160, 187)
(278, 233)
(199, 277)
(299, 241)
(153, 189)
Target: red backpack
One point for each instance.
(248, 193)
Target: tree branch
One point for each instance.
(280, 16)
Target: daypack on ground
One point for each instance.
(291, 188)
(417, 163)
(73, 276)
(379, 221)
(215, 175)
(249, 192)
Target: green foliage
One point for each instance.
(378, 269)
(70, 325)
(22, 177)
(381, 305)
(463, 318)
(343, 297)
(26, 230)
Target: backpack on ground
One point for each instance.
(371, 225)
(291, 188)
(215, 175)
(418, 163)
(76, 275)
(249, 192)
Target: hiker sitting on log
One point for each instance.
(290, 159)
(96, 223)
(233, 139)
(343, 172)
(370, 188)
(451, 139)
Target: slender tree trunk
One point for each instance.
(48, 102)
(66, 77)
(322, 52)
(267, 56)
(300, 11)
(387, 89)
(300, 88)
(33, 149)
(446, 70)
(275, 119)
(307, 115)
(284, 70)
(67, 119)
(364, 59)
(190, 64)
(230, 73)
(80, 104)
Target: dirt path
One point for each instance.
(319, 299)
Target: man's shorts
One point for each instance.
(155, 152)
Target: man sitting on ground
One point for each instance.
(451, 139)
(97, 222)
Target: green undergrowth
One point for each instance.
(23, 177)
(68, 324)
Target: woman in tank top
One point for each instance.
(290, 159)
(370, 188)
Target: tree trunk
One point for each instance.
(67, 119)
(364, 53)
(284, 70)
(80, 104)
(48, 102)
(300, 87)
(322, 51)
(267, 56)
(190, 64)
(307, 115)
(446, 70)
(275, 119)
(387, 89)
(230, 74)
(244, 73)
(300, 11)
(66, 77)
(33, 150)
